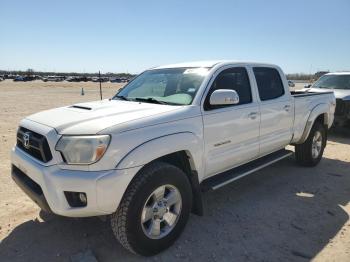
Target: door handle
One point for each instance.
(253, 115)
(286, 108)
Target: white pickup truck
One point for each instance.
(144, 156)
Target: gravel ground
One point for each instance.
(281, 213)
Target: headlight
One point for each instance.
(82, 149)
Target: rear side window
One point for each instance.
(234, 79)
(269, 83)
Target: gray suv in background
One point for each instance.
(339, 83)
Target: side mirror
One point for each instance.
(307, 86)
(291, 83)
(224, 97)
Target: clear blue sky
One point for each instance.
(120, 36)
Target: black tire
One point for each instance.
(303, 152)
(126, 221)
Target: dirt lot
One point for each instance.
(282, 213)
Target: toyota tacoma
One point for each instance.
(145, 156)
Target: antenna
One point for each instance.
(99, 78)
(310, 80)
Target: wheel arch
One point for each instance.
(183, 160)
(320, 113)
(182, 150)
(185, 142)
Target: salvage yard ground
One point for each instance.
(282, 213)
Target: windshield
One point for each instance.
(333, 82)
(174, 86)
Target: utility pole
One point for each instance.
(99, 78)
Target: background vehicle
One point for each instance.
(291, 83)
(119, 80)
(144, 156)
(78, 79)
(116, 80)
(18, 78)
(70, 78)
(339, 83)
(100, 79)
(53, 79)
(24, 78)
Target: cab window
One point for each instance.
(233, 79)
(269, 83)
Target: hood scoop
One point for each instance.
(81, 107)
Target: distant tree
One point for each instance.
(299, 76)
(320, 73)
(30, 71)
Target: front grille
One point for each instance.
(340, 107)
(36, 146)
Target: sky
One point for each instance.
(131, 36)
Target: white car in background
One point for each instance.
(339, 83)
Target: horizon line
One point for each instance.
(128, 73)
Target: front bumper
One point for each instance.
(342, 113)
(341, 121)
(32, 189)
(46, 185)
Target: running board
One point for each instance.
(236, 173)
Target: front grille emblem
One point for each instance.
(26, 139)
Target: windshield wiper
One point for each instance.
(122, 98)
(150, 100)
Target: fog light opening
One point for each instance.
(76, 199)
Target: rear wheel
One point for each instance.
(154, 209)
(310, 152)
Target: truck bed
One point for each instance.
(304, 103)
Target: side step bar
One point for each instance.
(236, 173)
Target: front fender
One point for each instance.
(164, 145)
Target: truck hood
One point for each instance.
(93, 117)
(338, 93)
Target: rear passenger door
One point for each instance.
(231, 132)
(276, 109)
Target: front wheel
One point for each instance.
(154, 209)
(310, 152)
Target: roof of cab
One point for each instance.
(191, 64)
(209, 64)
